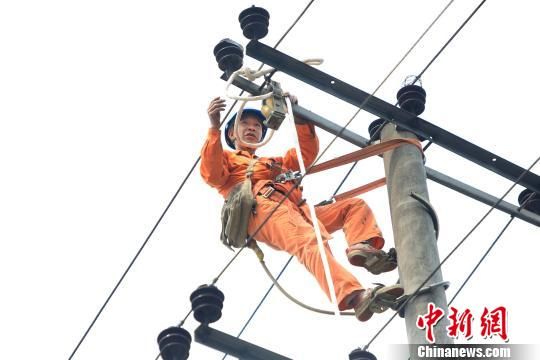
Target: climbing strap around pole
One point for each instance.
(361, 189)
(364, 153)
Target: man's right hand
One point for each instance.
(217, 105)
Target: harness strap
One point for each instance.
(249, 171)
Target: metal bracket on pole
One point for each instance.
(403, 298)
(430, 210)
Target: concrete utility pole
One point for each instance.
(414, 236)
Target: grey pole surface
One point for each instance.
(414, 236)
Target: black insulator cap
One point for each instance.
(412, 98)
(374, 127)
(254, 22)
(229, 55)
(207, 302)
(532, 204)
(174, 343)
(360, 354)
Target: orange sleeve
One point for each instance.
(309, 146)
(214, 164)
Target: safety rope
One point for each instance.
(260, 255)
(315, 222)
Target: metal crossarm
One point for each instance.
(381, 108)
(233, 346)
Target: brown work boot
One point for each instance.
(376, 300)
(375, 261)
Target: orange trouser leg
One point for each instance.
(288, 230)
(354, 216)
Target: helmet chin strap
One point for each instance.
(243, 144)
(236, 131)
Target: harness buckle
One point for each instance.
(289, 175)
(268, 192)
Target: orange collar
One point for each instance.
(245, 153)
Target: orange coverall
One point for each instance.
(290, 227)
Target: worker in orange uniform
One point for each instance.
(290, 227)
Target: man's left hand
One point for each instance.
(294, 100)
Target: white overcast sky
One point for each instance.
(103, 112)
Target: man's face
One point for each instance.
(249, 128)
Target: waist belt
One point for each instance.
(270, 192)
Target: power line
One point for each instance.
(261, 302)
(141, 248)
(530, 197)
(294, 23)
(489, 249)
(420, 75)
(381, 84)
(173, 199)
(482, 259)
(452, 252)
(451, 38)
(225, 117)
(444, 47)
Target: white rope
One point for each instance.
(313, 214)
(313, 61)
(252, 75)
